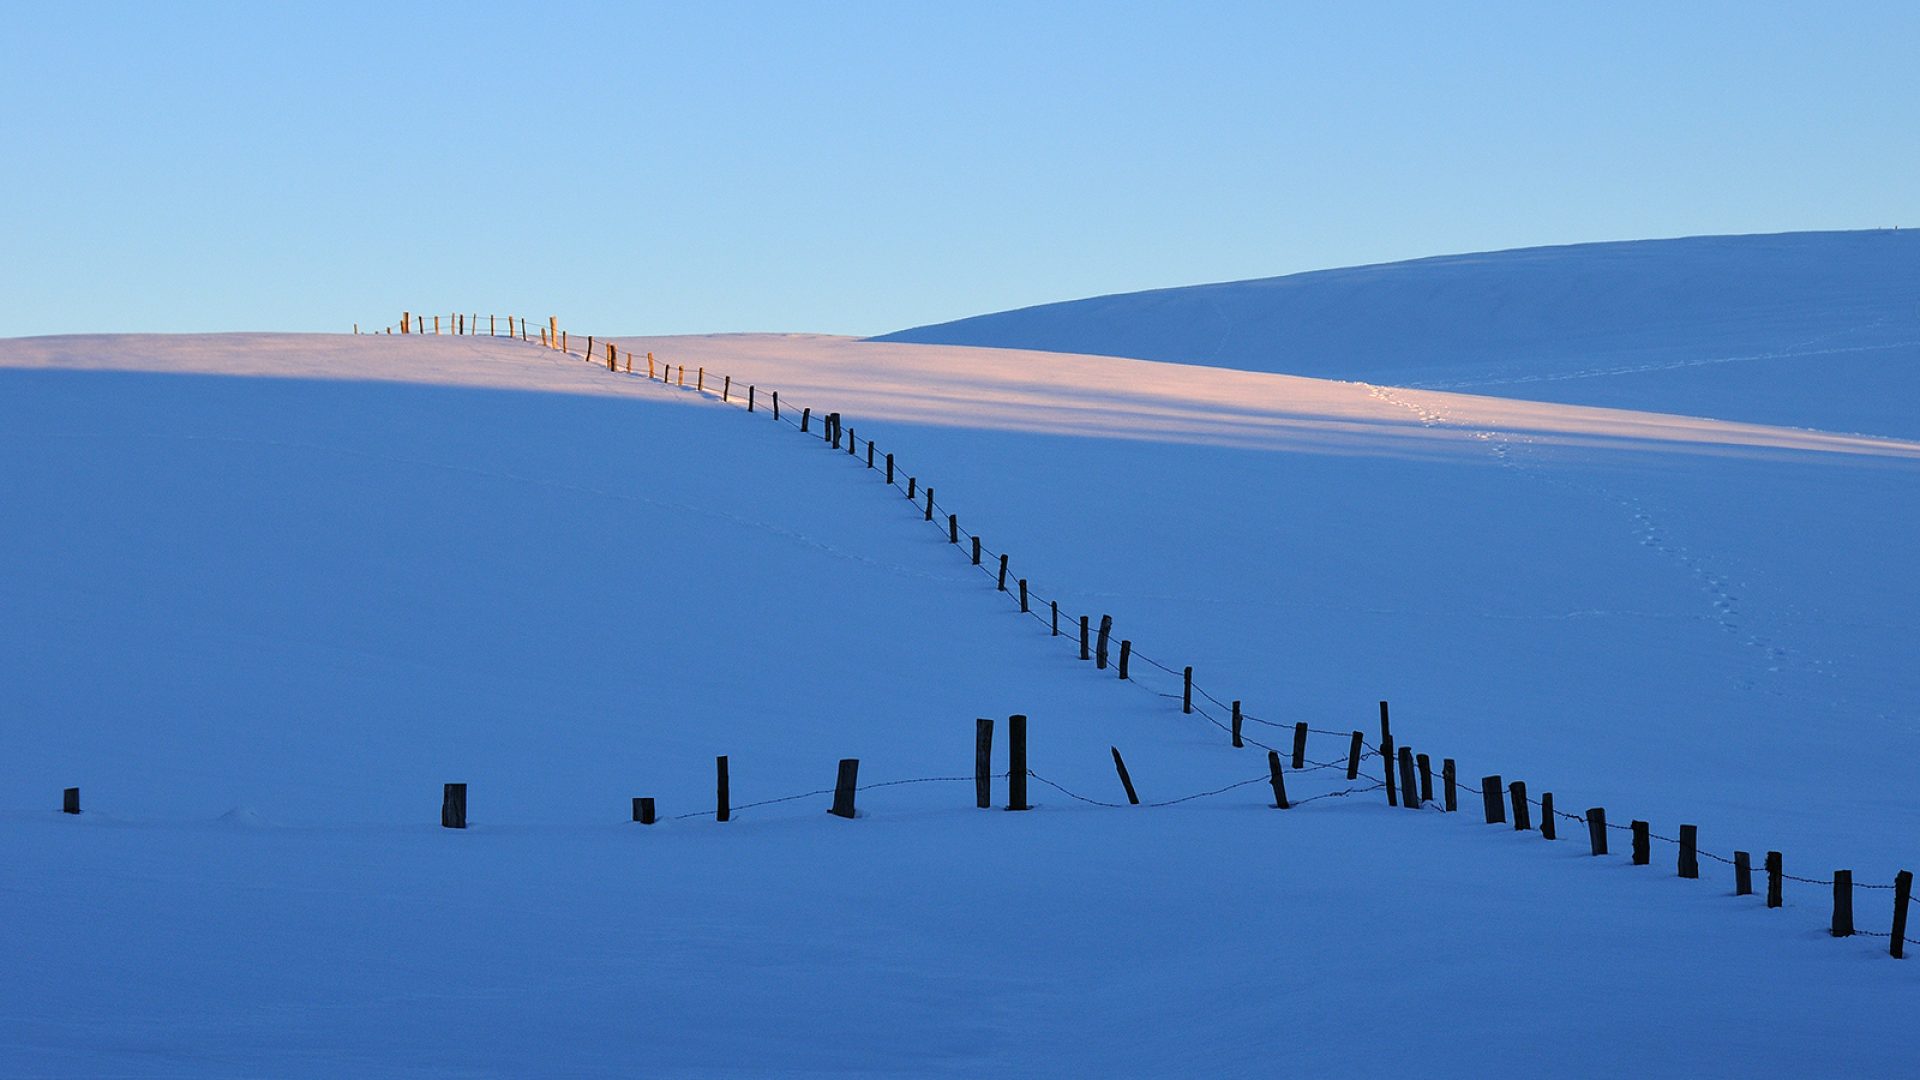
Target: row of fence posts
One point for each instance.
(1411, 788)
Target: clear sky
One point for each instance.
(858, 168)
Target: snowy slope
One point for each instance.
(1805, 329)
(261, 595)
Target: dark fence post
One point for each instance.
(1353, 756)
(1126, 653)
(1054, 606)
(453, 806)
(1300, 746)
(1002, 582)
(1843, 903)
(723, 805)
(643, 811)
(911, 482)
(1100, 646)
(1426, 777)
(983, 762)
(1775, 871)
(1126, 781)
(976, 551)
(1742, 874)
(929, 502)
(1023, 596)
(726, 389)
(1490, 799)
(1386, 733)
(1522, 811)
(953, 528)
(890, 477)
(806, 415)
(1186, 693)
(1902, 896)
(1689, 851)
(776, 401)
(1409, 789)
(869, 453)
(750, 392)
(1597, 829)
(1086, 652)
(1235, 729)
(844, 786)
(1547, 824)
(1642, 843)
(1017, 763)
(1448, 780)
(1274, 778)
(70, 801)
(1386, 760)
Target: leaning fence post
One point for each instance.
(70, 801)
(1843, 903)
(643, 810)
(1273, 777)
(1126, 653)
(453, 806)
(1186, 692)
(1742, 874)
(1522, 811)
(1300, 745)
(1689, 851)
(1448, 780)
(1490, 792)
(1001, 584)
(1125, 780)
(1100, 650)
(983, 762)
(1235, 729)
(1409, 794)
(1902, 896)
(1017, 763)
(1774, 873)
(1353, 756)
(806, 415)
(1597, 829)
(1642, 843)
(723, 806)
(843, 787)
(1547, 826)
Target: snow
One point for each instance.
(261, 595)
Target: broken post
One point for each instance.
(844, 785)
(1125, 780)
(1409, 793)
(643, 810)
(453, 806)
(1353, 756)
(1274, 778)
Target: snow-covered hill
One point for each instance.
(261, 595)
(1805, 329)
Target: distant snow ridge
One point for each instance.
(1664, 324)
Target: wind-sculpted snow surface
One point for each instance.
(261, 596)
(1804, 329)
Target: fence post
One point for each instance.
(1689, 851)
(1186, 692)
(453, 806)
(1279, 784)
(406, 322)
(1522, 811)
(1409, 794)
(1235, 729)
(1001, 583)
(830, 430)
(929, 502)
(1386, 734)
(723, 806)
(1126, 653)
(1597, 829)
(806, 415)
(890, 477)
(976, 551)
(843, 787)
(682, 380)
(1426, 777)
(776, 400)
(643, 810)
(1902, 896)
(726, 388)
(1642, 843)
(983, 762)
(1100, 649)
(869, 453)
(953, 528)
(751, 389)
(1843, 903)
(1054, 606)
(1774, 872)
(1490, 801)
(911, 481)
(1086, 652)
(1448, 779)
(1742, 874)
(1017, 763)
(1547, 825)
(700, 386)
(1023, 596)
(1300, 745)
(1125, 780)
(1353, 756)
(70, 801)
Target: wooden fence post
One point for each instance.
(490, 332)
(1642, 843)
(1902, 896)
(1023, 596)
(976, 551)
(1386, 734)
(1597, 829)
(953, 529)
(406, 322)
(983, 762)
(1409, 791)
(869, 453)
(1426, 777)
(453, 806)
(751, 391)
(70, 801)
(1086, 650)
(726, 389)
(1186, 691)
(1689, 851)
(1300, 745)
(1017, 763)
(1548, 827)
(701, 385)
(1449, 781)
(643, 810)
(776, 409)
(890, 477)
(723, 805)
(1274, 778)
(1742, 874)
(1386, 760)
(1490, 799)
(1843, 903)
(1353, 756)
(1054, 606)
(843, 787)
(1001, 584)
(911, 481)
(831, 430)
(929, 502)
(1522, 810)
(1125, 780)
(1126, 653)
(806, 416)
(1100, 649)
(1774, 873)
(1235, 728)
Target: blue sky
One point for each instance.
(858, 168)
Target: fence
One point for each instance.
(1413, 787)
